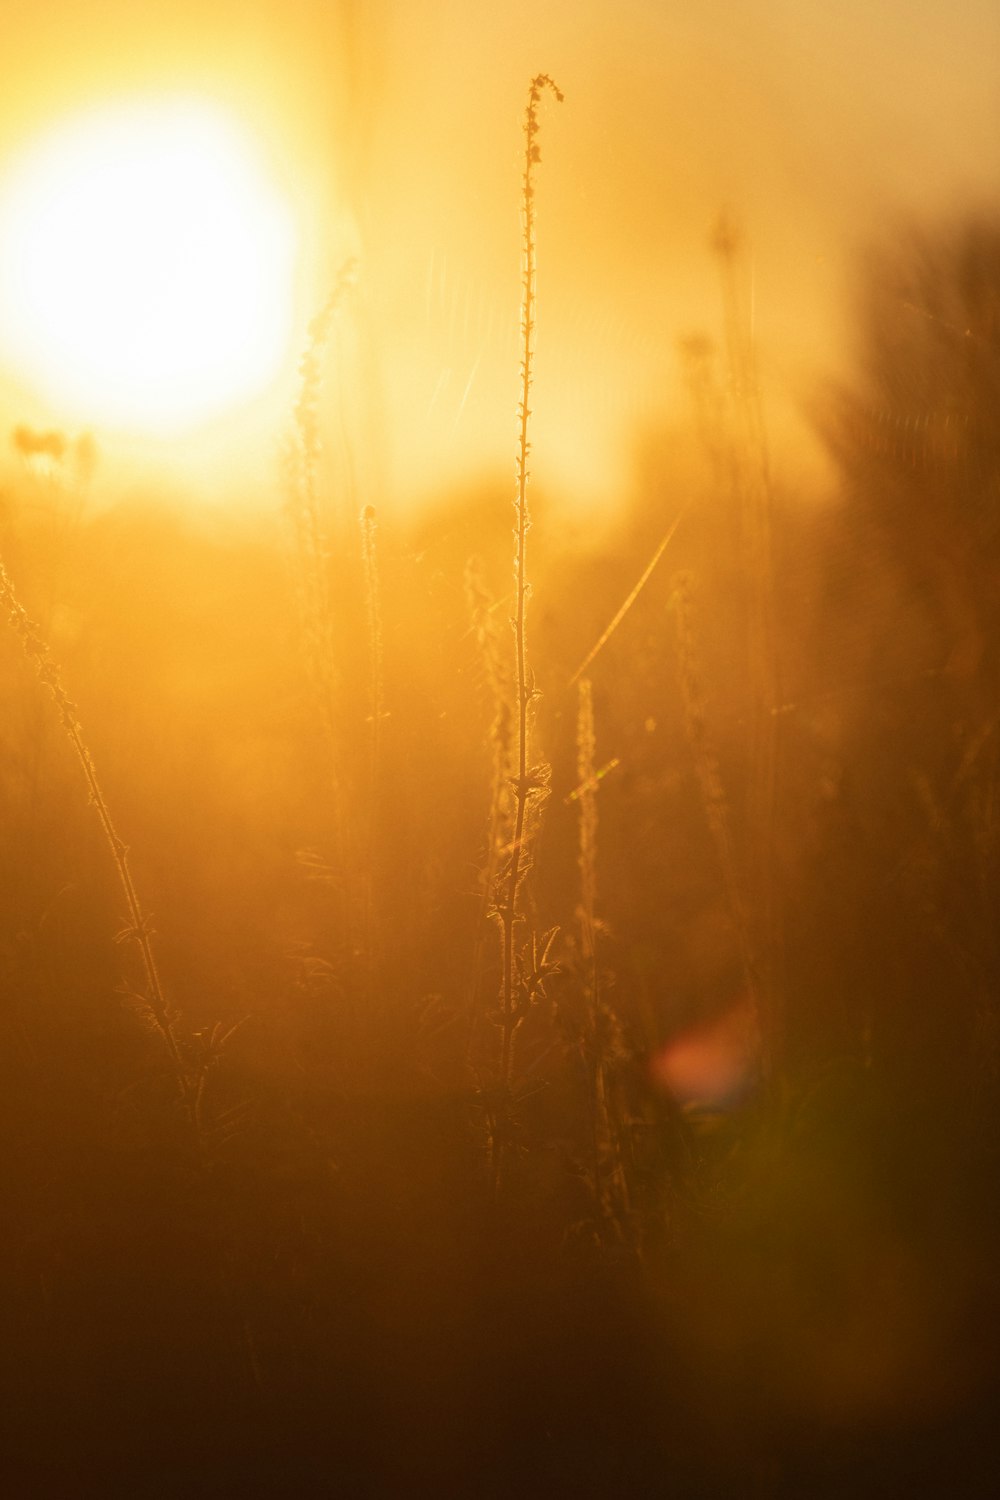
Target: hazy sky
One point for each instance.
(395, 126)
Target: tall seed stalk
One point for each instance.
(586, 774)
(376, 703)
(313, 580)
(139, 930)
(530, 782)
(713, 793)
(312, 585)
(752, 486)
(481, 608)
(601, 1032)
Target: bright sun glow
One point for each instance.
(146, 267)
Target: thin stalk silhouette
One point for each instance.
(138, 930)
(530, 783)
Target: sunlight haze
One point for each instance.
(391, 130)
(500, 749)
(147, 270)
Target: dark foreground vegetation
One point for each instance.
(702, 1199)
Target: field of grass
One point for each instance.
(432, 1068)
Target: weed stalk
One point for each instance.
(376, 703)
(530, 783)
(139, 930)
(752, 487)
(601, 1031)
(481, 609)
(312, 579)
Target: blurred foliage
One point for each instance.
(781, 1289)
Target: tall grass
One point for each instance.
(151, 1001)
(312, 575)
(482, 613)
(601, 1041)
(752, 488)
(347, 1232)
(376, 715)
(530, 783)
(715, 800)
(311, 582)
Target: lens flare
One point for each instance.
(712, 1066)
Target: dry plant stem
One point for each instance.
(587, 800)
(714, 799)
(313, 589)
(610, 1184)
(138, 930)
(191, 1082)
(373, 608)
(630, 599)
(524, 785)
(311, 542)
(481, 611)
(751, 484)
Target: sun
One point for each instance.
(147, 266)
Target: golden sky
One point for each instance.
(394, 130)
